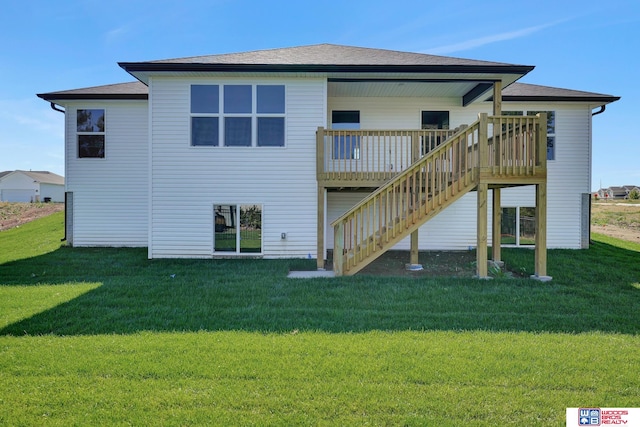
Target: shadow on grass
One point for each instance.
(592, 290)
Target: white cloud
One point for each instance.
(116, 34)
(481, 41)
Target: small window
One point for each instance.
(237, 131)
(270, 131)
(90, 127)
(435, 120)
(270, 99)
(346, 146)
(205, 99)
(237, 99)
(238, 229)
(204, 131)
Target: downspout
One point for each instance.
(600, 111)
(64, 239)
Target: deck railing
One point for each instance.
(372, 155)
(497, 146)
(516, 145)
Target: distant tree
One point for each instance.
(634, 194)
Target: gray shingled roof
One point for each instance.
(529, 92)
(325, 58)
(132, 90)
(327, 54)
(44, 177)
(329, 58)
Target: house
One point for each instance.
(296, 151)
(31, 186)
(620, 193)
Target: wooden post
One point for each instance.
(338, 249)
(542, 141)
(320, 154)
(413, 258)
(321, 198)
(321, 226)
(497, 130)
(415, 156)
(497, 226)
(541, 233)
(483, 147)
(481, 248)
(497, 98)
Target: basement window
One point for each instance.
(90, 128)
(237, 229)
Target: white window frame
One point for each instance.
(254, 115)
(91, 133)
(237, 252)
(517, 227)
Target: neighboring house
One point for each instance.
(617, 192)
(31, 186)
(258, 153)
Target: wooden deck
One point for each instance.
(418, 173)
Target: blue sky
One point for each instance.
(47, 46)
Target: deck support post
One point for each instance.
(496, 211)
(413, 255)
(481, 246)
(321, 224)
(541, 234)
(320, 233)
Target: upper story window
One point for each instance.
(90, 127)
(551, 128)
(346, 146)
(435, 120)
(238, 115)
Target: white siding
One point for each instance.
(18, 187)
(568, 176)
(452, 229)
(54, 191)
(110, 195)
(188, 181)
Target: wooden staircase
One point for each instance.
(434, 181)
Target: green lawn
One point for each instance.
(105, 336)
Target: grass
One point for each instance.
(105, 336)
(618, 213)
